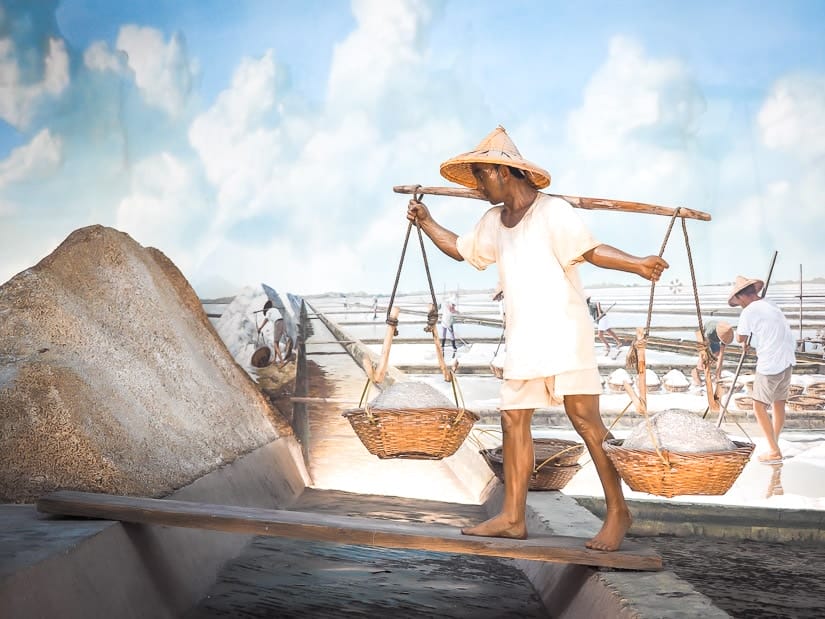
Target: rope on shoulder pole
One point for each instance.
(745, 348)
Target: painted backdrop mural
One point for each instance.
(259, 140)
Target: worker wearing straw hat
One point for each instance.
(537, 241)
(718, 335)
(769, 332)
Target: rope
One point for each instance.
(704, 344)
(432, 315)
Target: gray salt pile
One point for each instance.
(409, 394)
(678, 430)
(112, 378)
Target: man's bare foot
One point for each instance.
(607, 352)
(773, 456)
(616, 524)
(498, 526)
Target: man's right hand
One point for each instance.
(417, 210)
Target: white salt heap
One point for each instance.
(619, 376)
(679, 430)
(651, 378)
(409, 394)
(676, 378)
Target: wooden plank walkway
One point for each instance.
(344, 530)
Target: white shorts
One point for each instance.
(603, 324)
(549, 391)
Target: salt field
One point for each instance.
(796, 483)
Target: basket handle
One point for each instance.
(392, 330)
(555, 456)
(439, 354)
(362, 403)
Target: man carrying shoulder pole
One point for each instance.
(537, 242)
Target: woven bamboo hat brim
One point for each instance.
(496, 148)
(740, 284)
(724, 331)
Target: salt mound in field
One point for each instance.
(651, 378)
(619, 376)
(676, 378)
(410, 394)
(679, 430)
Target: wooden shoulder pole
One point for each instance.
(601, 204)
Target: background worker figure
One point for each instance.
(537, 241)
(718, 335)
(771, 335)
(602, 325)
(273, 315)
(448, 324)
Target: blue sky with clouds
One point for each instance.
(260, 140)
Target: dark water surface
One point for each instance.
(750, 579)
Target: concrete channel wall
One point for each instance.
(108, 569)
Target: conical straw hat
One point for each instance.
(496, 148)
(740, 284)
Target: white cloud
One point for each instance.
(382, 50)
(237, 139)
(165, 208)
(98, 57)
(163, 71)
(7, 209)
(635, 100)
(20, 94)
(35, 160)
(792, 118)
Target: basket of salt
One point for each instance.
(675, 381)
(411, 420)
(617, 379)
(744, 403)
(816, 389)
(805, 403)
(676, 452)
(796, 389)
(652, 381)
(556, 462)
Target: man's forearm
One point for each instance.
(609, 257)
(442, 238)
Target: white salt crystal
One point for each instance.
(679, 430)
(410, 394)
(651, 379)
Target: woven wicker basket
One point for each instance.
(744, 403)
(707, 473)
(676, 388)
(795, 389)
(555, 463)
(806, 403)
(816, 389)
(615, 388)
(414, 433)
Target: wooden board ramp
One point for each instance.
(344, 530)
